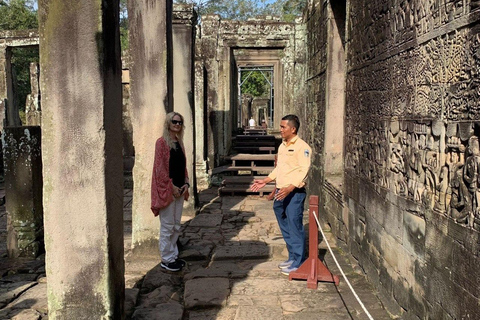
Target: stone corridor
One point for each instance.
(232, 248)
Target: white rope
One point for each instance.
(340, 268)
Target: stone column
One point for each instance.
(32, 105)
(184, 20)
(150, 41)
(23, 189)
(82, 158)
(12, 117)
(3, 81)
(335, 96)
(214, 118)
(201, 173)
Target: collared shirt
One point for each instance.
(293, 162)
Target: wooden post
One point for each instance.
(313, 270)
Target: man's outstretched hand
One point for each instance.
(257, 185)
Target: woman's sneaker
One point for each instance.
(172, 266)
(182, 262)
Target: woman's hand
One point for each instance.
(177, 192)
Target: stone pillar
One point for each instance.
(335, 95)
(184, 20)
(32, 105)
(23, 189)
(82, 158)
(214, 118)
(11, 115)
(150, 38)
(201, 173)
(3, 81)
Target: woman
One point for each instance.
(170, 188)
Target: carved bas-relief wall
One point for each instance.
(408, 206)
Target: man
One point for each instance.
(293, 163)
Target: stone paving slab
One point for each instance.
(206, 220)
(165, 311)
(34, 298)
(206, 292)
(217, 314)
(246, 251)
(27, 314)
(233, 203)
(10, 291)
(219, 269)
(259, 313)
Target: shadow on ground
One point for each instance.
(222, 245)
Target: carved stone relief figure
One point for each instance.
(471, 176)
(420, 171)
(442, 190)
(460, 203)
(398, 168)
(454, 162)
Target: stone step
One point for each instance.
(233, 189)
(255, 149)
(230, 168)
(243, 179)
(251, 157)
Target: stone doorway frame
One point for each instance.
(261, 57)
(8, 41)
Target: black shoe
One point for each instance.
(182, 262)
(172, 266)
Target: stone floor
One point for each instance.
(232, 248)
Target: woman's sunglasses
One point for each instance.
(177, 122)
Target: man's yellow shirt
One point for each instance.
(293, 163)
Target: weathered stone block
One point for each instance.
(23, 191)
(401, 292)
(414, 234)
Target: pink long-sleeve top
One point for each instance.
(162, 186)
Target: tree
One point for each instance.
(255, 84)
(124, 43)
(287, 10)
(20, 15)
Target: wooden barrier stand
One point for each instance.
(313, 270)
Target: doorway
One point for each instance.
(256, 93)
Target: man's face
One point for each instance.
(286, 130)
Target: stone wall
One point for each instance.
(407, 207)
(313, 119)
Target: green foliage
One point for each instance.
(124, 43)
(21, 58)
(17, 15)
(287, 10)
(255, 84)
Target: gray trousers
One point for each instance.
(170, 222)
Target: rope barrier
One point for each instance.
(340, 268)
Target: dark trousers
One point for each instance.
(289, 213)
